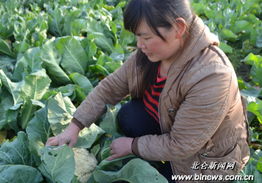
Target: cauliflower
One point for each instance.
(85, 163)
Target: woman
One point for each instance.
(186, 107)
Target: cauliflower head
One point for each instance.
(85, 163)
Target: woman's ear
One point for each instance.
(180, 26)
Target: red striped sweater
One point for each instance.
(151, 96)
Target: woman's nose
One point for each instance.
(140, 44)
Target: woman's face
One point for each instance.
(155, 48)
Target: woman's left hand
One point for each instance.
(120, 147)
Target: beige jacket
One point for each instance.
(200, 108)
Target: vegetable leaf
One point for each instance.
(58, 164)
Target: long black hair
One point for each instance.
(156, 13)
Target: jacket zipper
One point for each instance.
(161, 128)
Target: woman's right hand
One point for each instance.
(68, 136)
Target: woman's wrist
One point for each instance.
(74, 126)
(134, 146)
(77, 123)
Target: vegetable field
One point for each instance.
(54, 52)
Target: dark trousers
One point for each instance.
(134, 121)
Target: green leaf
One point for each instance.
(226, 48)
(16, 152)
(51, 60)
(27, 112)
(6, 27)
(104, 153)
(38, 130)
(60, 111)
(30, 62)
(241, 84)
(199, 8)
(253, 59)
(77, 27)
(99, 69)
(257, 177)
(259, 41)
(88, 136)
(5, 48)
(66, 90)
(12, 88)
(118, 53)
(256, 70)
(251, 92)
(72, 25)
(112, 66)
(19, 173)
(95, 149)
(240, 25)
(108, 122)
(228, 35)
(55, 21)
(90, 47)
(259, 164)
(101, 34)
(33, 87)
(36, 85)
(103, 42)
(82, 81)
(7, 65)
(80, 94)
(74, 58)
(113, 165)
(130, 173)
(126, 38)
(58, 164)
(3, 134)
(256, 108)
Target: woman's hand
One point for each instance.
(68, 136)
(120, 147)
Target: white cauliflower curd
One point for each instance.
(85, 163)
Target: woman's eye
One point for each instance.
(147, 38)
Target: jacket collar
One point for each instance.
(201, 38)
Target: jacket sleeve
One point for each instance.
(110, 90)
(209, 93)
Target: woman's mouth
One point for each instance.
(147, 54)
